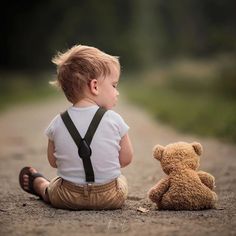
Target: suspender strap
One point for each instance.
(83, 144)
(71, 128)
(93, 125)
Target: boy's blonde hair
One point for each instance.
(78, 66)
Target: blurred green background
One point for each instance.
(178, 57)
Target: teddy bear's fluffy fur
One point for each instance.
(184, 188)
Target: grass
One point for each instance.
(197, 104)
(192, 97)
(19, 88)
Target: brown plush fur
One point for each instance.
(184, 188)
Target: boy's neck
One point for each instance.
(85, 102)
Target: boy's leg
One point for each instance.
(40, 185)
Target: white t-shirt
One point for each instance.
(105, 145)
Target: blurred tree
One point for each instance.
(141, 32)
(196, 27)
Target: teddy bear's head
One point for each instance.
(178, 155)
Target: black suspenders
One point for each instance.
(83, 144)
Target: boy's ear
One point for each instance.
(93, 85)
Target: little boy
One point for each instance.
(89, 143)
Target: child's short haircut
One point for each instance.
(78, 66)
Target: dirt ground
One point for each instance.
(23, 143)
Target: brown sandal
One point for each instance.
(32, 177)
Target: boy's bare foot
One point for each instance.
(36, 182)
(33, 182)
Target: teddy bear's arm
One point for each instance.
(207, 179)
(156, 192)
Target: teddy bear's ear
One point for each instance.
(158, 151)
(197, 148)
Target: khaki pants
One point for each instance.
(66, 195)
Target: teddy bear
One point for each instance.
(184, 188)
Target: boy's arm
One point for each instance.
(51, 157)
(126, 151)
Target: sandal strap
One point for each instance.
(36, 175)
(32, 177)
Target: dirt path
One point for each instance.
(22, 142)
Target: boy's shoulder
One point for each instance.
(113, 114)
(109, 116)
(55, 119)
(114, 118)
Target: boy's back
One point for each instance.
(105, 145)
